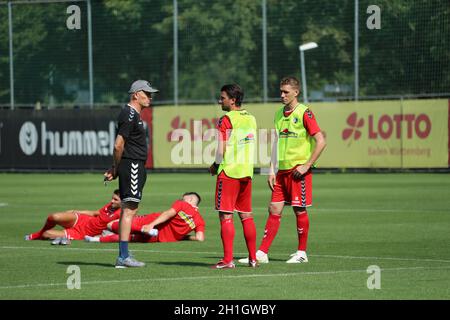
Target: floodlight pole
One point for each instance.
(175, 52)
(302, 65)
(11, 56)
(91, 71)
(11, 53)
(356, 50)
(264, 45)
(302, 48)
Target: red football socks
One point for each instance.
(36, 235)
(227, 233)
(270, 231)
(248, 225)
(49, 224)
(302, 230)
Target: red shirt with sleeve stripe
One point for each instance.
(224, 126)
(309, 121)
(186, 220)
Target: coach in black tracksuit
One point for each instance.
(129, 157)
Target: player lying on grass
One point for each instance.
(78, 223)
(174, 224)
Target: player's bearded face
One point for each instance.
(224, 101)
(115, 201)
(288, 94)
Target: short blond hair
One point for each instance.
(292, 81)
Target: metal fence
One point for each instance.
(85, 54)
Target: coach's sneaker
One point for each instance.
(128, 262)
(56, 241)
(65, 241)
(298, 257)
(261, 257)
(222, 265)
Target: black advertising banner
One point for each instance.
(57, 139)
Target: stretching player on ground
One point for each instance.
(78, 223)
(175, 224)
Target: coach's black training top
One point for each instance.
(131, 128)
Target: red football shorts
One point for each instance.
(137, 223)
(293, 192)
(78, 230)
(233, 194)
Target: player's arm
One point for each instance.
(166, 215)
(221, 145)
(219, 156)
(119, 146)
(89, 213)
(271, 180)
(320, 145)
(198, 236)
(224, 131)
(109, 225)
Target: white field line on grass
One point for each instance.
(424, 211)
(263, 210)
(220, 253)
(196, 278)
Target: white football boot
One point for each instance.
(261, 257)
(298, 257)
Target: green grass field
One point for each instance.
(399, 222)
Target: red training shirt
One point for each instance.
(99, 223)
(186, 220)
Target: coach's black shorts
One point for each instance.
(132, 177)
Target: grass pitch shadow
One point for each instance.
(184, 263)
(84, 263)
(236, 258)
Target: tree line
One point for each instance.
(221, 41)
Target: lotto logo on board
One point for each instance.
(384, 126)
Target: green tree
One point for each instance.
(217, 46)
